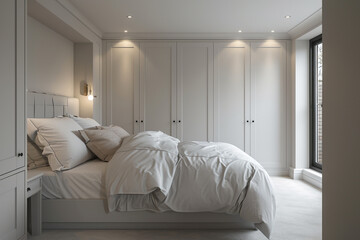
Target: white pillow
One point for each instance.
(34, 157)
(85, 122)
(60, 141)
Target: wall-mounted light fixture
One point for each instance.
(90, 95)
(87, 91)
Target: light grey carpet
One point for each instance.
(298, 218)
(299, 210)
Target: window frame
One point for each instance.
(313, 108)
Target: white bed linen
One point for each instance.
(85, 181)
(161, 174)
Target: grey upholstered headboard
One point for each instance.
(42, 105)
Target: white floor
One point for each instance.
(298, 218)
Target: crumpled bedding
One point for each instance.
(157, 172)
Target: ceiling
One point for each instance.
(49, 19)
(196, 16)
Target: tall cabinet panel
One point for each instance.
(268, 104)
(123, 85)
(195, 102)
(158, 86)
(12, 208)
(232, 93)
(12, 87)
(12, 119)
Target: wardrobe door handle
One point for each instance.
(20, 154)
(28, 189)
(174, 121)
(253, 121)
(247, 121)
(136, 121)
(179, 121)
(142, 121)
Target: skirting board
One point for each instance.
(277, 171)
(313, 177)
(308, 175)
(90, 214)
(295, 173)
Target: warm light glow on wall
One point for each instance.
(90, 95)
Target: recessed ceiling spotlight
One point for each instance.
(239, 31)
(287, 16)
(272, 31)
(126, 31)
(129, 17)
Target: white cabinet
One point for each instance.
(12, 207)
(161, 86)
(157, 87)
(123, 85)
(12, 91)
(227, 91)
(12, 119)
(268, 104)
(232, 93)
(195, 101)
(250, 99)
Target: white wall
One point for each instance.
(301, 103)
(83, 73)
(50, 60)
(71, 20)
(341, 120)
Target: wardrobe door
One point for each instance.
(12, 90)
(12, 119)
(232, 93)
(195, 91)
(158, 86)
(268, 104)
(123, 87)
(12, 207)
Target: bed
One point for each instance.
(92, 196)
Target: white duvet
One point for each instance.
(153, 171)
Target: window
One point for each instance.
(316, 98)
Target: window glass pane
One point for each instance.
(319, 99)
(316, 99)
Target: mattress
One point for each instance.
(86, 181)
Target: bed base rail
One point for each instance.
(90, 214)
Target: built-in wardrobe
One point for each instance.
(227, 91)
(12, 119)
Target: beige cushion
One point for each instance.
(34, 157)
(86, 122)
(31, 130)
(104, 141)
(122, 133)
(60, 141)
